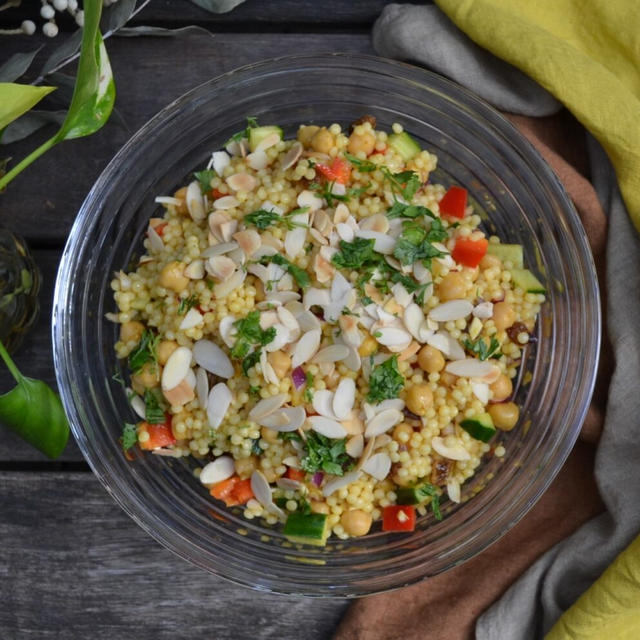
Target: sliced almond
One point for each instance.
(355, 446)
(456, 452)
(340, 482)
(268, 372)
(306, 347)
(212, 358)
(351, 335)
(167, 200)
(226, 202)
(481, 391)
(248, 240)
(470, 368)
(389, 403)
(266, 406)
(345, 232)
(242, 182)
(176, 368)
(268, 141)
(333, 353)
(323, 268)
(202, 388)
(366, 452)
(410, 351)
(218, 404)
(382, 243)
(382, 422)
(475, 328)
(453, 490)
(413, 319)
(378, 465)
(220, 267)
(223, 289)
(401, 295)
(227, 229)
(421, 273)
(218, 470)
(484, 310)
(282, 337)
(392, 337)
(227, 330)
(344, 398)
(377, 222)
(220, 160)
(156, 244)
(258, 160)
(353, 360)
(137, 404)
(309, 199)
(308, 321)
(327, 427)
(354, 424)
(445, 343)
(195, 201)
(283, 297)
(323, 403)
(219, 248)
(295, 239)
(289, 485)
(262, 492)
(180, 394)
(195, 270)
(193, 318)
(292, 156)
(451, 310)
(285, 419)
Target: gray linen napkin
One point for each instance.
(533, 604)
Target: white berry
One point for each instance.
(72, 5)
(28, 27)
(60, 5)
(80, 18)
(50, 29)
(47, 11)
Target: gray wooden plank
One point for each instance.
(43, 201)
(74, 566)
(35, 358)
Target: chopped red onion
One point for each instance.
(317, 478)
(299, 377)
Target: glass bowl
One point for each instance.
(512, 187)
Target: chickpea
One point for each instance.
(448, 379)
(503, 315)
(452, 287)
(269, 435)
(246, 466)
(504, 415)
(306, 133)
(147, 378)
(430, 359)
(368, 347)
(356, 522)
(402, 433)
(131, 331)
(501, 389)
(172, 277)
(361, 142)
(165, 349)
(317, 506)
(419, 399)
(489, 261)
(181, 194)
(322, 141)
(280, 362)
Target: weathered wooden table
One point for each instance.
(72, 564)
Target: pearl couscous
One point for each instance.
(326, 330)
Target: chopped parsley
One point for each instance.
(356, 254)
(252, 123)
(402, 210)
(430, 491)
(326, 191)
(251, 361)
(299, 275)
(405, 183)
(254, 391)
(480, 348)
(356, 192)
(308, 390)
(325, 454)
(415, 241)
(363, 166)
(129, 436)
(187, 303)
(145, 352)
(153, 409)
(249, 335)
(204, 178)
(385, 381)
(263, 219)
(255, 447)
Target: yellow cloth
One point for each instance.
(610, 608)
(585, 52)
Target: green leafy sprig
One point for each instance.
(385, 381)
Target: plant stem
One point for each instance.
(23, 164)
(4, 354)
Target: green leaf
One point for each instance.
(250, 361)
(153, 408)
(17, 65)
(356, 254)
(406, 183)
(402, 210)
(34, 411)
(31, 122)
(129, 436)
(480, 348)
(363, 166)
(145, 351)
(299, 275)
(262, 219)
(94, 93)
(415, 241)
(385, 381)
(187, 303)
(63, 53)
(325, 454)
(204, 178)
(16, 99)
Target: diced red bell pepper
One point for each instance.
(232, 491)
(160, 435)
(217, 194)
(398, 517)
(160, 228)
(454, 202)
(338, 171)
(469, 252)
(295, 474)
(223, 490)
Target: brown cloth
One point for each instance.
(446, 607)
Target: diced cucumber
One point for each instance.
(524, 279)
(479, 427)
(310, 528)
(508, 253)
(258, 134)
(414, 495)
(404, 144)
